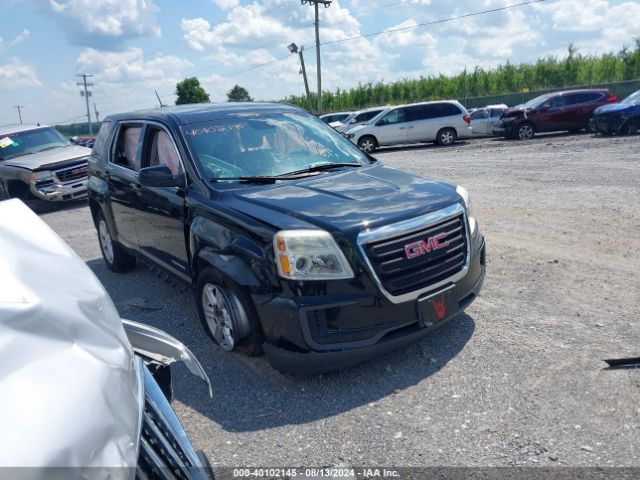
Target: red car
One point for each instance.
(552, 112)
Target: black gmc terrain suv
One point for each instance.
(296, 242)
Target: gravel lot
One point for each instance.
(518, 380)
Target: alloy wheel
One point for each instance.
(367, 145)
(218, 314)
(446, 137)
(525, 132)
(105, 241)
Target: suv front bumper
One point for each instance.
(398, 323)
(59, 192)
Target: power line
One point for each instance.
(435, 22)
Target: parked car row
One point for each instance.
(593, 110)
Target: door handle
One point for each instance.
(401, 128)
(410, 126)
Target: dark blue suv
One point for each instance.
(296, 242)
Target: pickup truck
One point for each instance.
(296, 242)
(37, 162)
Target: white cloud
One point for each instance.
(18, 74)
(129, 65)
(226, 4)
(104, 22)
(21, 37)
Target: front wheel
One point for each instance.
(114, 255)
(525, 131)
(368, 144)
(446, 137)
(226, 315)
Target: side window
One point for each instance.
(362, 117)
(127, 146)
(587, 97)
(160, 150)
(393, 117)
(557, 102)
(478, 114)
(372, 114)
(447, 109)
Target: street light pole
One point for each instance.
(86, 94)
(327, 4)
(19, 107)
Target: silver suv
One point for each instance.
(442, 122)
(38, 162)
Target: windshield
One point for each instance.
(30, 141)
(267, 145)
(633, 98)
(538, 101)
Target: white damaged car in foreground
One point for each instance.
(80, 399)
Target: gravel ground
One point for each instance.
(517, 380)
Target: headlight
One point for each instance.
(38, 176)
(309, 255)
(471, 214)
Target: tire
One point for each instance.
(114, 255)
(3, 193)
(446, 137)
(629, 128)
(525, 131)
(227, 314)
(591, 126)
(368, 144)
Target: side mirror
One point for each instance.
(381, 122)
(353, 120)
(546, 106)
(160, 176)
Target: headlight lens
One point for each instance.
(38, 176)
(471, 214)
(309, 255)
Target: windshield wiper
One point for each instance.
(255, 179)
(48, 148)
(321, 167)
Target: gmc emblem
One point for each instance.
(416, 249)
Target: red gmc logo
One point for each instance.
(416, 249)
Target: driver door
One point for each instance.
(392, 128)
(162, 211)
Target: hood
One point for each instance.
(348, 201)
(615, 107)
(56, 157)
(358, 128)
(513, 112)
(68, 373)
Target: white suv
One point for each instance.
(442, 122)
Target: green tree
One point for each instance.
(190, 91)
(238, 94)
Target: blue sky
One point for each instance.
(133, 47)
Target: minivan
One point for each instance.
(442, 122)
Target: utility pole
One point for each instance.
(19, 112)
(327, 4)
(95, 109)
(293, 48)
(86, 94)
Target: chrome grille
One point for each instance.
(399, 274)
(74, 172)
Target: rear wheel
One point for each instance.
(226, 314)
(368, 144)
(591, 126)
(525, 131)
(446, 137)
(114, 255)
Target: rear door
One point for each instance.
(419, 125)
(122, 177)
(161, 214)
(582, 106)
(480, 122)
(392, 128)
